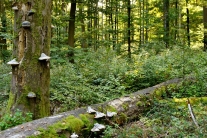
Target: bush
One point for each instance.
(94, 78)
(18, 118)
(5, 79)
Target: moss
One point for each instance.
(100, 108)
(67, 126)
(74, 124)
(111, 109)
(193, 100)
(139, 103)
(121, 119)
(125, 106)
(159, 92)
(88, 120)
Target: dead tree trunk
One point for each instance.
(127, 108)
(31, 76)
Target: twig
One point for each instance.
(191, 113)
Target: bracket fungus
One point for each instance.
(31, 95)
(44, 57)
(97, 127)
(13, 62)
(90, 110)
(26, 24)
(99, 115)
(15, 8)
(74, 135)
(110, 114)
(31, 12)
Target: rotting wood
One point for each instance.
(31, 128)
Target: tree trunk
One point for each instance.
(146, 22)
(95, 26)
(176, 19)
(140, 24)
(129, 31)
(188, 24)
(71, 32)
(83, 38)
(32, 75)
(3, 46)
(166, 23)
(205, 27)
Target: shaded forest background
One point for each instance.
(104, 49)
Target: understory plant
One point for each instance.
(103, 75)
(9, 120)
(165, 119)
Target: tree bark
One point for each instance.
(129, 30)
(205, 27)
(32, 75)
(83, 38)
(188, 23)
(127, 105)
(71, 32)
(3, 46)
(166, 23)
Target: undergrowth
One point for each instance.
(17, 118)
(103, 75)
(165, 119)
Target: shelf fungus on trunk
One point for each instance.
(31, 12)
(74, 135)
(31, 95)
(44, 57)
(90, 110)
(15, 8)
(110, 114)
(26, 24)
(13, 62)
(97, 127)
(99, 115)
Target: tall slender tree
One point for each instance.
(82, 16)
(166, 7)
(3, 46)
(129, 29)
(188, 23)
(71, 31)
(205, 27)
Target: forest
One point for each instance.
(58, 57)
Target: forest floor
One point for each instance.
(166, 119)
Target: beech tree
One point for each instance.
(205, 26)
(3, 45)
(31, 74)
(71, 31)
(166, 22)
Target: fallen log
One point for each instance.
(131, 106)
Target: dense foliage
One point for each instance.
(165, 119)
(102, 75)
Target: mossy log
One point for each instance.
(127, 108)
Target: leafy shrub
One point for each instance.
(149, 70)
(18, 118)
(95, 77)
(5, 79)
